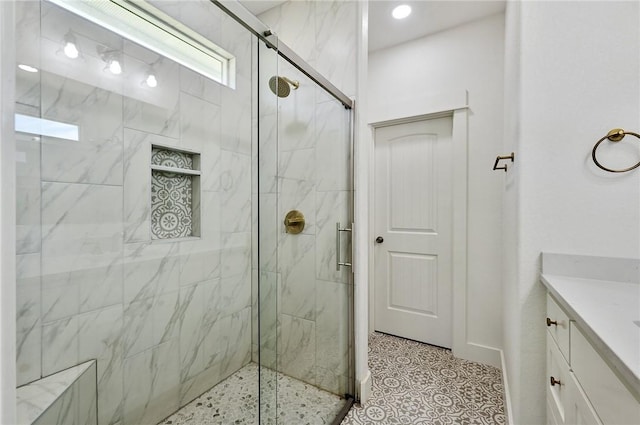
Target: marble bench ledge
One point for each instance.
(38, 397)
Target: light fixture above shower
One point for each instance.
(148, 26)
(151, 80)
(70, 48)
(112, 59)
(115, 67)
(281, 86)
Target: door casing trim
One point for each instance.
(456, 105)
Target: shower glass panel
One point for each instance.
(134, 228)
(305, 297)
(151, 237)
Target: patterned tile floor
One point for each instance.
(235, 401)
(415, 383)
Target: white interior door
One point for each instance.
(413, 222)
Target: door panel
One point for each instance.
(413, 276)
(411, 159)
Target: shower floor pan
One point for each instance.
(235, 401)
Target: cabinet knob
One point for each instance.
(554, 381)
(551, 322)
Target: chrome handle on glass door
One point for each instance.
(338, 249)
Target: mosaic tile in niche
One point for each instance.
(169, 158)
(171, 205)
(172, 197)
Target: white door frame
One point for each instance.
(454, 104)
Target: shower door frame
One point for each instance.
(7, 216)
(245, 18)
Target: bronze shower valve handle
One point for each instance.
(294, 222)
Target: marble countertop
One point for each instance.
(607, 310)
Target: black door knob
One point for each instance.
(379, 239)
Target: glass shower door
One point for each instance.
(305, 279)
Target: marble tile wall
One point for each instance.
(323, 33)
(304, 164)
(165, 320)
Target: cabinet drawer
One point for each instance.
(551, 414)
(557, 394)
(579, 410)
(612, 401)
(559, 331)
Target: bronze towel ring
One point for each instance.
(614, 135)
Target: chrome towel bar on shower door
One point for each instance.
(338, 250)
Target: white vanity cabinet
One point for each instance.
(611, 399)
(566, 401)
(558, 372)
(581, 386)
(593, 339)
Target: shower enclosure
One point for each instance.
(184, 210)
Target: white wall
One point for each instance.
(577, 68)
(468, 57)
(362, 177)
(510, 308)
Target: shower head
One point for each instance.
(281, 86)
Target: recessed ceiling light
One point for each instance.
(401, 12)
(27, 68)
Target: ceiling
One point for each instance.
(427, 17)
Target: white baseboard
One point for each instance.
(364, 388)
(479, 353)
(492, 357)
(508, 412)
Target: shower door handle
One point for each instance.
(338, 250)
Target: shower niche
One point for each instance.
(175, 193)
